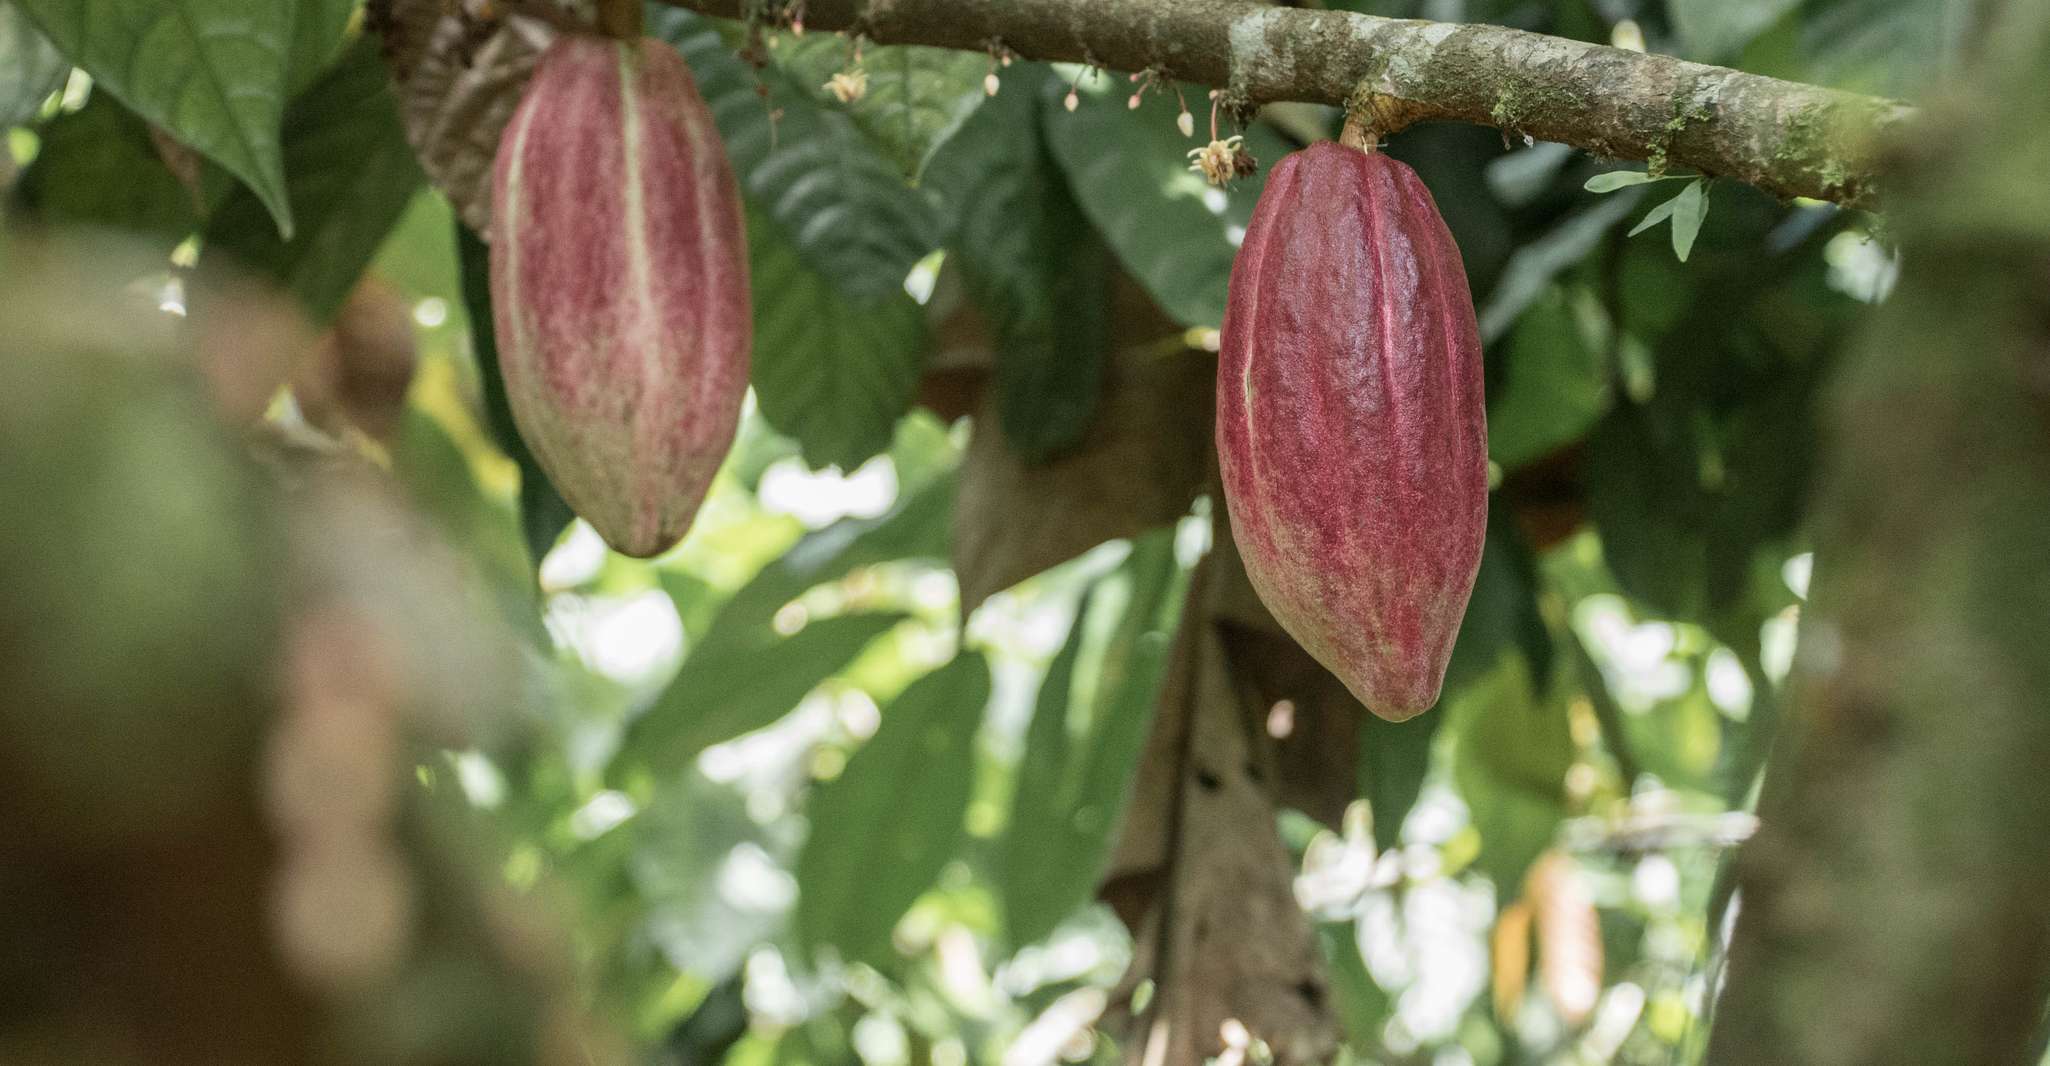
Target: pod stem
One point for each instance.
(1357, 135)
(1370, 116)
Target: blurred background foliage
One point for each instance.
(838, 778)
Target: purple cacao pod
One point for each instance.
(619, 286)
(1351, 426)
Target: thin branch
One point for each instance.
(1787, 138)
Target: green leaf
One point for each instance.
(1715, 30)
(1619, 179)
(316, 33)
(1395, 757)
(543, 511)
(725, 691)
(1556, 378)
(350, 175)
(31, 68)
(1654, 216)
(1502, 612)
(1535, 264)
(1129, 170)
(1033, 265)
(421, 257)
(1768, 462)
(1082, 746)
(1361, 1004)
(845, 209)
(915, 97)
(724, 668)
(71, 183)
(1891, 47)
(1689, 209)
(883, 829)
(832, 373)
(1510, 754)
(1643, 476)
(213, 73)
(915, 527)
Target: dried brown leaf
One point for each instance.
(1511, 941)
(1569, 935)
(458, 77)
(1314, 762)
(183, 162)
(1140, 466)
(1202, 876)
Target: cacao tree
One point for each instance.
(765, 531)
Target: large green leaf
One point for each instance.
(727, 690)
(30, 67)
(350, 174)
(1082, 747)
(883, 829)
(1643, 478)
(97, 167)
(213, 73)
(834, 373)
(1033, 265)
(1533, 266)
(1510, 755)
(914, 97)
(1556, 383)
(316, 34)
(742, 674)
(543, 511)
(1129, 170)
(1502, 613)
(1715, 30)
(914, 528)
(1395, 757)
(1883, 46)
(1362, 1006)
(848, 213)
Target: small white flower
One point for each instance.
(848, 86)
(1219, 161)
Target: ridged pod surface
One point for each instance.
(619, 286)
(1351, 425)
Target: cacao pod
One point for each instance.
(619, 286)
(1351, 426)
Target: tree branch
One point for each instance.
(1787, 138)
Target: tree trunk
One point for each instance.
(1893, 908)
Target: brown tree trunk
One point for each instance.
(1894, 905)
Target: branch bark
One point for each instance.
(1785, 137)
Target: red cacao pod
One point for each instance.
(1351, 426)
(619, 286)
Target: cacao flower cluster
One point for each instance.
(1351, 426)
(619, 286)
